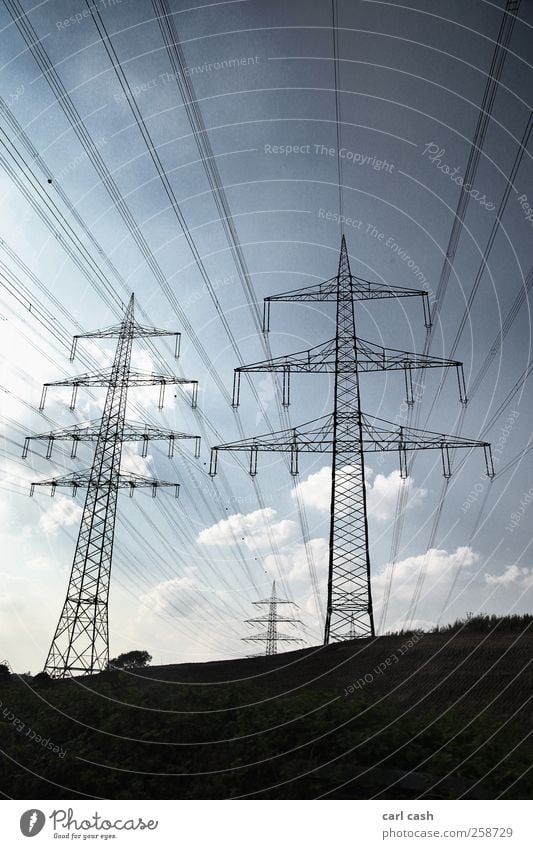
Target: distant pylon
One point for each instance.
(271, 636)
(348, 433)
(81, 640)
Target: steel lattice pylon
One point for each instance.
(81, 640)
(348, 433)
(272, 636)
(349, 593)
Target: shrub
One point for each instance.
(130, 660)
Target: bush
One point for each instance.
(42, 678)
(130, 660)
(483, 623)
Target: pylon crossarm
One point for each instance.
(261, 638)
(106, 377)
(316, 292)
(124, 480)
(358, 290)
(263, 620)
(309, 359)
(385, 358)
(377, 435)
(382, 435)
(137, 331)
(115, 330)
(370, 357)
(133, 481)
(276, 600)
(362, 290)
(108, 332)
(89, 432)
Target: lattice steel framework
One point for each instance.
(271, 636)
(81, 640)
(348, 433)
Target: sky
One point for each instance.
(91, 215)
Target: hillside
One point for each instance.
(437, 716)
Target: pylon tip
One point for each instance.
(344, 262)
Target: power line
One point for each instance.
(175, 206)
(190, 102)
(338, 123)
(485, 109)
(203, 421)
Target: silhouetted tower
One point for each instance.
(81, 640)
(348, 433)
(271, 636)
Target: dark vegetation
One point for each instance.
(436, 715)
(130, 660)
(484, 623)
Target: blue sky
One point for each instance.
(411, 81)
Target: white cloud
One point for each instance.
(438, 564)
(134, 463)
(440, 569)
(13, 591)
(101, 351)
(28, 616)
(382, 492)
(514, 576)
(315, 490)
(15, 381)
(142, 360)
(166, 596)
(293, 560)
(383, 495)
(178, 622)
(41, 564)
(257, 530)
(63, 512)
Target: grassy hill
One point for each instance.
(436, 715)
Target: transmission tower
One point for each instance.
(348, 433)
(81, 640)
(271, 636)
